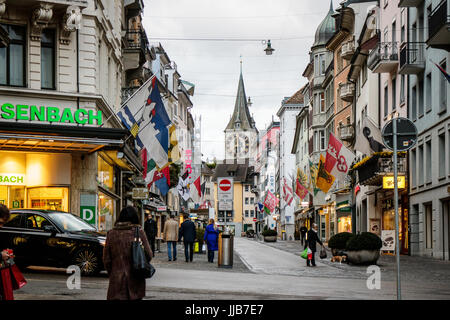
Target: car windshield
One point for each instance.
(69, 222)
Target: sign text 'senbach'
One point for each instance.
(49, 114)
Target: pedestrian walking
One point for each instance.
(188, 233)
(303, 231)
(211, 237)
(311, 239)
(5, 252)
(117, 259)
(171, 237)
(151, 229)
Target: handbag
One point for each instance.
(323, 253)
(6, 282)
(309, 254)
(141, 267)
(304, 254)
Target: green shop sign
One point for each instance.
(49, 114)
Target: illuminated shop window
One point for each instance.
(48, 198)
(105, 176)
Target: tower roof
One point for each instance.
(241, 118)
(326, 29)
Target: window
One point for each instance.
(246, 213)
(252, 213)
(428, 161)
(12, 58)
(252, 200)
(421, 94)
(319, 64)
(34, 221)
(322, 140)
(386, 97)
(322, 102)
(443, 90)
(246, 200)
(247, 188)
(394, 34)
(402, 88)
(14, 221)
(48, 59)
(414, 103)
(428, 92)
(207, 191)
(442, 161)
(420, 165)
(364, 73)
(394, 94)
(429, 226)
(413, 167)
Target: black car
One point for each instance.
(53, 238)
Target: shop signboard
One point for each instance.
(388, 182)
(140, 193)
(161, 208)
(388, 240)
(12, 179)
(375, 226)
(226, 205)
(88, 208)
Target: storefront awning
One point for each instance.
(16, 136)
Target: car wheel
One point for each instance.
(88, 262)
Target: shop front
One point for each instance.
(344, 216)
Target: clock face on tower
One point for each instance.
(243, 145)
(238, 145)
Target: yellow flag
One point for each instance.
(324, 179)
(134, 130)
(174, 151)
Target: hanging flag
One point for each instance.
(198, 186)
(146, 113)
(144, 163)
(300, 190)
(260, 206)
(203, 187)
(163, 179)
(334, 147)
(313, 169)
(288, 195)
(270, 202)
(183, 186)
(174, 150)
(446, 75)
(151, 169)
(339, 158)
(324, 179)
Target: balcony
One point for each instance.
(383, 58)
(409, 3)
(346, 132)
(346, 91)
(372, 169)
(319, 119)
(439, 27)
(347, 50)
(412, 59)
(134, 54)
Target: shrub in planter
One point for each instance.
(269, 233)
(338, 242)
(364, 241)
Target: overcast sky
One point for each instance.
(213, 66)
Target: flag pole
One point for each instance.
(124, 104)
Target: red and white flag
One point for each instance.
(338, 158)
(288, 194)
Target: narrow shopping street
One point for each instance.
(272, 274)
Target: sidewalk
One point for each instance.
(412, 268)
(199, 262)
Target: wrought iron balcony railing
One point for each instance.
(412, 59)
(383, 58)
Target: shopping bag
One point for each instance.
(195, 247)
(323, 253)
(309, 254)
(18, 281)
(204, 248)
(6, 284)
(304, 254)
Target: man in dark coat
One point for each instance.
(303, 231)
(311, 239)
(188, 233)
(151, 229)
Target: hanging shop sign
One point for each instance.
(9, 111)
(12, 179)
(388, 240)
(88, 208)
(388, 182)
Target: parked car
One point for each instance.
(53, 238)
(250, 233)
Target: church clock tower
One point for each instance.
(241, 133)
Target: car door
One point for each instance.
(11, 236)
(37, 244)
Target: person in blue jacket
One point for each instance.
(211, 238)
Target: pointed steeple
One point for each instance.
(241, 119)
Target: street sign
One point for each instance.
(254, 219)
(226, 205)
(406, 134)
(224, 189)
(140, 193)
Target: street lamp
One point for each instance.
(269, 48)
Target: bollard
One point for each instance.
(225, 259)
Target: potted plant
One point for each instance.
(338, 242)
(363, 248)
(270, 235)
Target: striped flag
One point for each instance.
(446, 75)
(134, 129)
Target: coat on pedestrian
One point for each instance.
(123, 285)
(311, 239)
(187, 231)
(150, 228)
(171, 230)
(211, 237)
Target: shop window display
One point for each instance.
(106, 212)
(12, 196)
(48, 198)
(106, 175)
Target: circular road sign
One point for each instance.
(406, 134)
(225, 185)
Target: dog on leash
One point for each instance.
(339, 259)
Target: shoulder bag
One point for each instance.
(141, 267)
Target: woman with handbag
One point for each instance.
(124, 283)
(211, 237)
